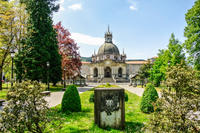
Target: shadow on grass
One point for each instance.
(70, 115)
(133, 127)
(77, 130)
(86, 110)
(56, 88)
(91, 89)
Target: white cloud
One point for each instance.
(87, 39)
(61, 3)
(75, 7)
(132, 7)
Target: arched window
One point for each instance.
(120, 72)
(95, 72)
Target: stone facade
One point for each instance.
(108, 65)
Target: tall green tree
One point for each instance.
(144, 72)
(12, 31)
(170, 57)
(192, 33)
(40, 46)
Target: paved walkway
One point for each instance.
(135, 90)
(56, 97)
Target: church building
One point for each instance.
(108, 65)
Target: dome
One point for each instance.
(108, 48)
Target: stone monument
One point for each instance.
(109, 108)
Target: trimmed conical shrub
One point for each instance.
(71, 100)
(149, 97)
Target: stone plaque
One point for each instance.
(109, 107)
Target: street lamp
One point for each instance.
(12, 53)
(64, 77)
(168, 63)
(197, 56)
(48, 74)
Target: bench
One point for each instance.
(46, 93)
(1, 102)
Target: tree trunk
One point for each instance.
(54, 84)
(142, 83)
(1, 73)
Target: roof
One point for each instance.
(155, 57)
(84, 62)
(127, 62)
(108, 48)
(136, 62)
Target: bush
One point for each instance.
(26, 109)
(91, 99)
(149, 97)
(71, 100)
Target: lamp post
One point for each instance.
(48, 75)
(196, 57)
(12, 53)
(64, 77)
(169, 63)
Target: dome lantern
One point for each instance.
(108, 36)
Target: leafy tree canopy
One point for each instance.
(171, 56)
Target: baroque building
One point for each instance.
(108, 65)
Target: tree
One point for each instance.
(192, 33)
(68, 49)
(170, 57)
(40, 46)
(178, 103)
(144, 72)
(12, 30)
(25, 110)
(6, 34)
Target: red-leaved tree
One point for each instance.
(68, 49)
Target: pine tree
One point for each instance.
(41, 44)
(192, 33)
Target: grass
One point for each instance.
(57, 88)
(159, 89)
(6, 87)
(3, 93)
(84, 121)
(107, 86)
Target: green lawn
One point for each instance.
(3, 93)
(84, 121)
(6, 87)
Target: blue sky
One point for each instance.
(141, 27)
